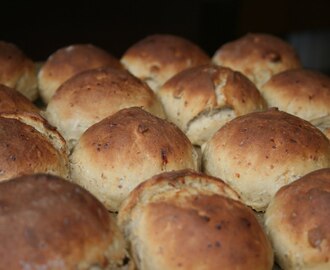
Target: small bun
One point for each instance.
(187, 220)
(28, 144)
(157, 58)
(201, 99)
(260, 152)
(258, 56)
(17, 70)
(92, 95)
(119, 152)
(49, 223)
(297, 221)
(69, 61)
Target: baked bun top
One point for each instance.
(201, 99)
(49, 223)
(260, 152)
(258, 56)
(28, 144)
(17, 70)
(176, 220)
(69, 61)
(92, 95)
(157, 58)
(298, 222)
(304, 93)
(116, 154)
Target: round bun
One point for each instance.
(113, 156)
(258, 56)
(157, 58)
(49, 223)
(187, 220)
(13, 101)
(17, 70)
(300, 92)
(201, 99)
(69, 61)
(28, 144)
(260, 152)
(92, 95)
(297, 221)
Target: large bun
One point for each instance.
(187, 220)
(297, 221)
(49, 223)
(92, 95)
(157, 58)
(258, 56)
(260, 152)
(69, 61)
(119, 152)
(17, 70)
(200, 100)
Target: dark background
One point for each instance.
(40, 28)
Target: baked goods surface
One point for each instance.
(47, 222)
(158, 57)
(116, 154)
(69, 61)
(258, 56)
(260, 152)
(188, 220)
(92, 95)
(201, 99)
(17, 70)
(297, 221)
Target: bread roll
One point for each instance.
(69, 61)
(297, 221)
(28, 144)
(92, 95)
(200, 100)
(157, 58)
(49, 223)
(116, 154)
(186, 220)
(17, 70)
(260, 152)
(301, 92)
(14, 101)
(258, 56)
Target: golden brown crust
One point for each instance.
(156, 58)
(119, 152)
(258, 56)
(17, 70)
(301, 92)
(69, 61)
(92, 95)
(298, 222)
(260, 152)
(49, 223)
(182, 218)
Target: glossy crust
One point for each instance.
(69, 61)
(92, 95)
(301, 92)
(260, 152)
(200, 100)
(297, 221)
(157, 58)
(17, 70)
(28, 144)
(188, 220)
(258, 56)
(113, 156)
(49, 223)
